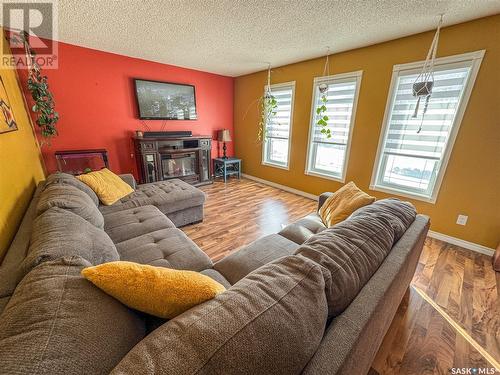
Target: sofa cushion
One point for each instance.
(300, 231)
(58, 233)
(159, 291)
(271, 322)
(217, 276)
(134, 222)
(398, 214)
(59, 323)
(237, 265)
(18, 248)
(3, 303)
(351, 251)
(10, 275)
(72, 199)
(165, 248)
(67, 179)
(169, 196)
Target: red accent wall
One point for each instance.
(94, 95)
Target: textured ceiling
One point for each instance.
(235, 37)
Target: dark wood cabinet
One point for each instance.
(163, 158)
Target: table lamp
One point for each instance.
(224, 136)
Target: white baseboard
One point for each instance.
(282, 187)
(439, 236)
(462, 243)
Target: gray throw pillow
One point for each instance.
(57, 322)
(58, 233)
(67, 179)
(350, 252)
(72, 199)
(270, 322)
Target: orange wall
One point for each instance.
(472, 180)
(20, 162)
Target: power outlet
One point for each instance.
(462, 219)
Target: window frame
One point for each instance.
(264, 144)
(475, 58)
(358, 75)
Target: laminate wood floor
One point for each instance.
(463, 287)
(240, 211)
(449, 282)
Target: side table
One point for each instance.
(225, 167)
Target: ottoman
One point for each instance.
(179, 201)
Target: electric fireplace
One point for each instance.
(161, 157)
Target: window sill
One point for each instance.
(325, 176)
(418, 197)
(279, 166)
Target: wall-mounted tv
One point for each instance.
(165, 100)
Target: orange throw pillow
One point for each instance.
(343, 203)
(109, 187)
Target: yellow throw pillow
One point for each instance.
(158, 291)
(343, 203)
(108, 186)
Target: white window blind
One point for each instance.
(413, 151)
(277, 141)
(327, 156)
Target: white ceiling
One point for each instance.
(235, 37)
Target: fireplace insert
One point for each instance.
(177, 165)
(163, 158)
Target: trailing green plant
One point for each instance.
(268, 108)
(268, 105)
(322, 118)
(44, 106)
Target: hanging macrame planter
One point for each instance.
(424, 83)
(268, 105)
(321, 117)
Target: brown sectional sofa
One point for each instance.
(306, 300)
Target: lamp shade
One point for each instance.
(223, 135)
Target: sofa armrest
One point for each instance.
(322, 198)
(129, 179)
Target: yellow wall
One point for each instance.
(20, 163)
(472, 181)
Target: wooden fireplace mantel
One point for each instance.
(164, 158)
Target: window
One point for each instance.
(327, 157)
(276, 149)
(413, 152)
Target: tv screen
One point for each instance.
(165, 101)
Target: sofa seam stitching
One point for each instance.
(56, 316)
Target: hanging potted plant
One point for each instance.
(267, 108)
(321, 116)
(44, 106)
(422, 87)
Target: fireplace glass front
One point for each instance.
(178, 165)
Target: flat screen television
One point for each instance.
(165, 100)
